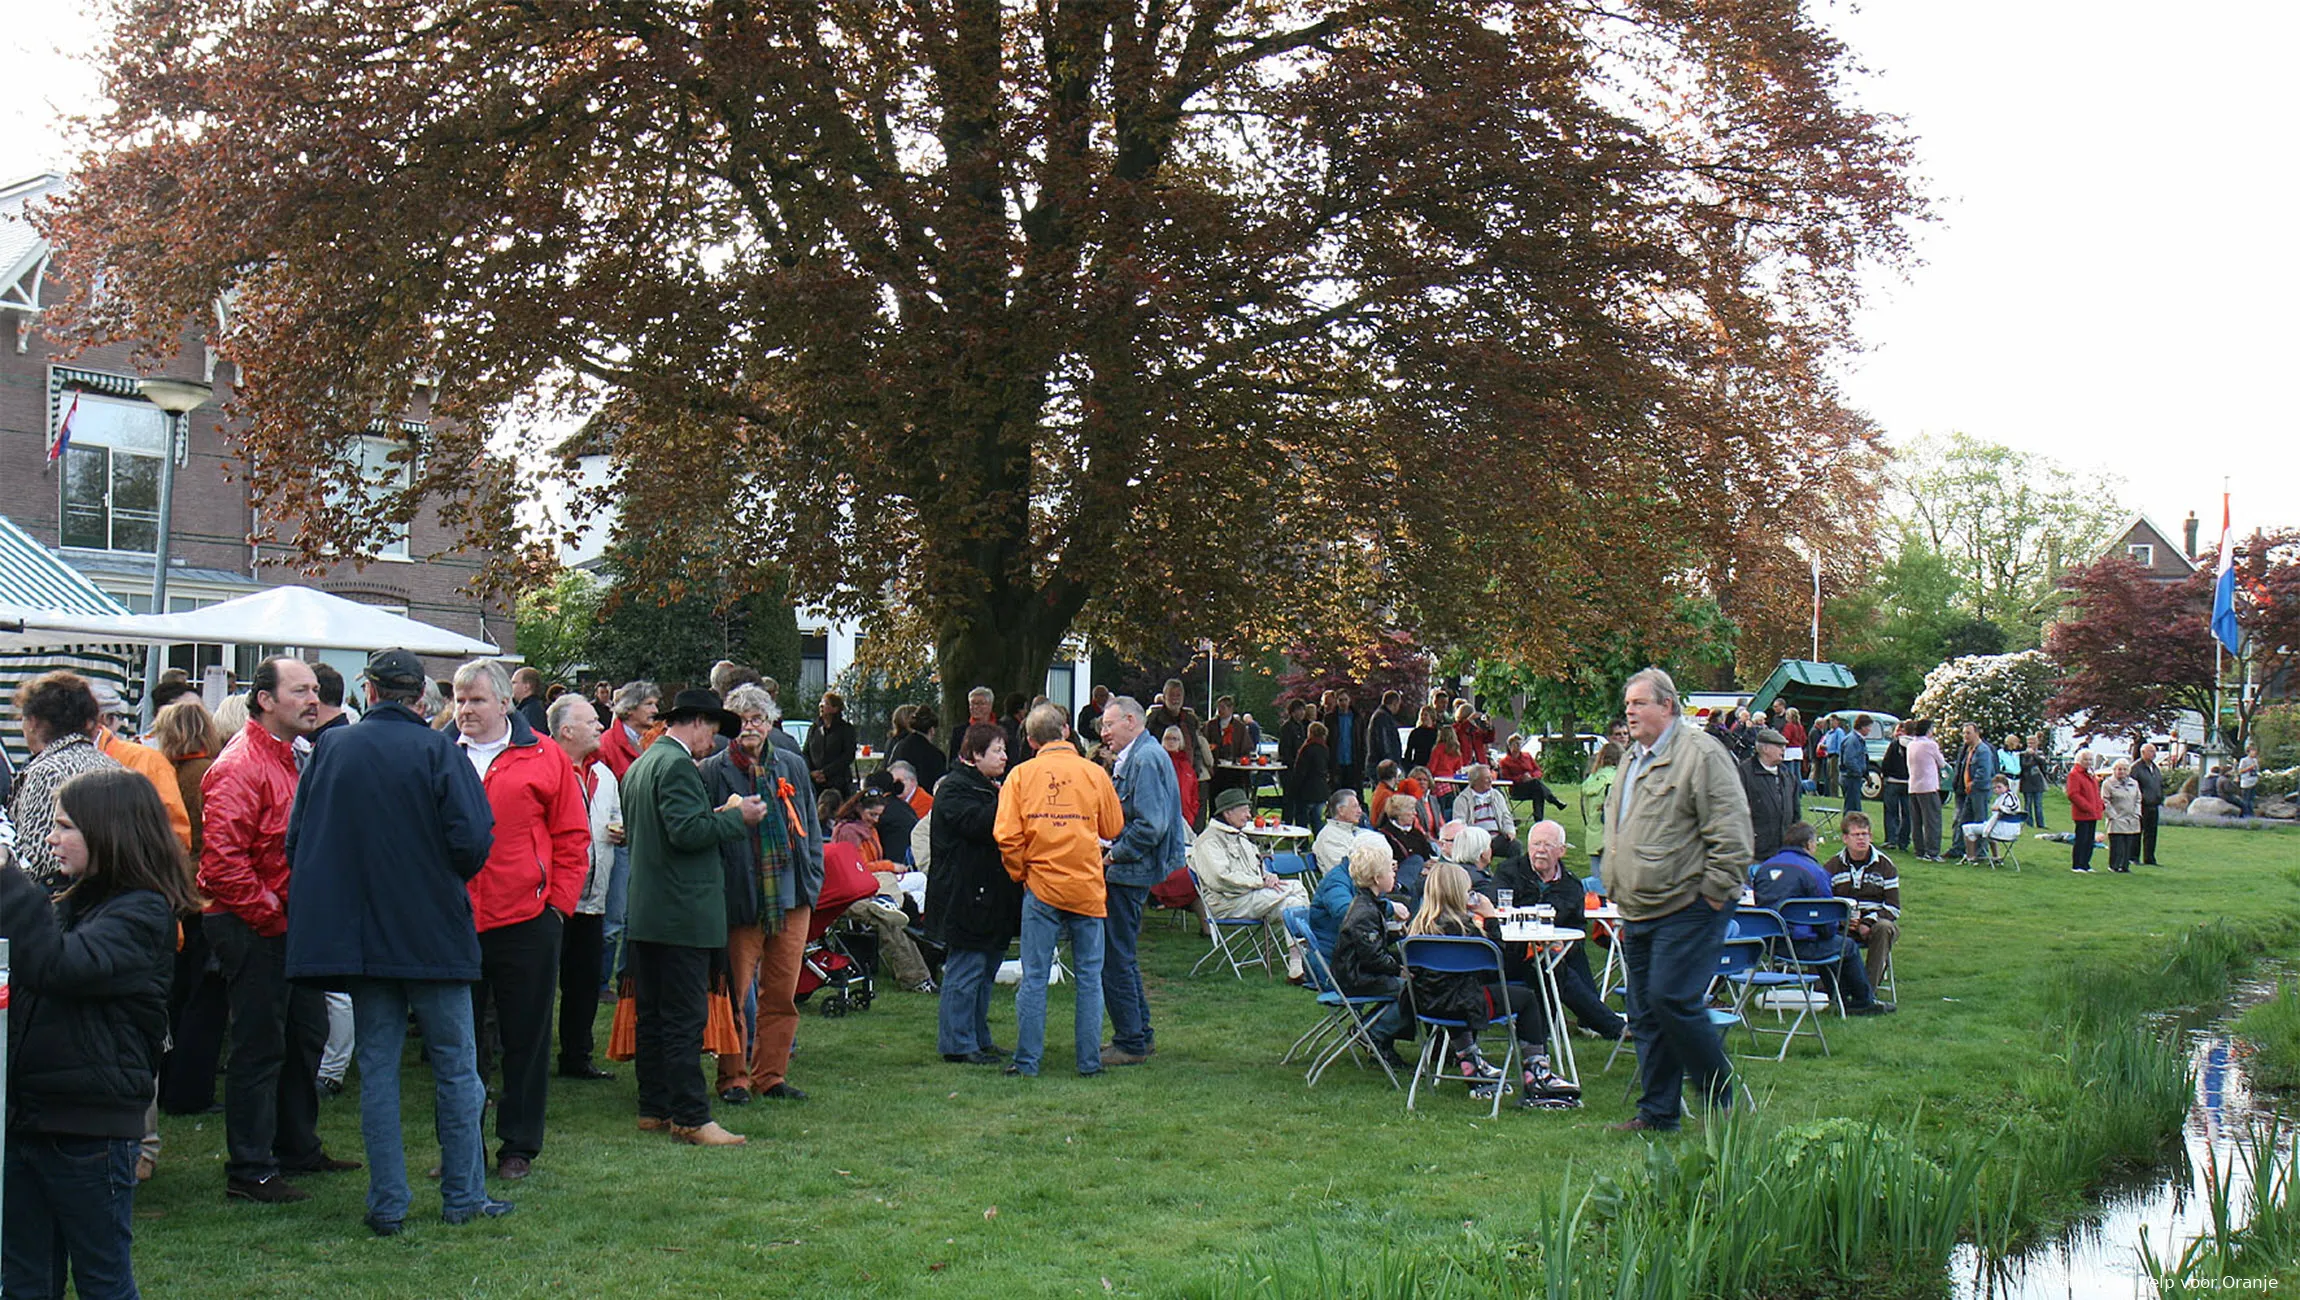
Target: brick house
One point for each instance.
(97, 508)
(2154, 550)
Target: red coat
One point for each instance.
(2084, 802)
(542, 847)
(245, 799)
(616, 749)
(1186, 779)
(1519, 766)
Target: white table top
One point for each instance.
(1533, 932)
(1279, 832)
(1230, 765)
(1606, 913)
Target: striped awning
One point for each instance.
(32, 578)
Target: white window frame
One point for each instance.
(2144, 552)
(89, 435)
(379, 473)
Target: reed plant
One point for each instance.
(2255, 1233)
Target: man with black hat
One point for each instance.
(390, 821)
(1776, 797)
(1231, 880)
(678, 914)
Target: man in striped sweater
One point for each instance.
(1868, 878)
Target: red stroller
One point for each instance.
(827, 961)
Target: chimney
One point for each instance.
(2188, 534)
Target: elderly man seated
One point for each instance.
(1231, 882)
(1484, 805)
(1539, 876)
(1794, 873)
(1344, 830)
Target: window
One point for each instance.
(814, 671)
(380, 475)
(2142, 552)
(1060, 681)
(111, 478)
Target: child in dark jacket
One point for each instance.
(89, 978)
(1449, 908)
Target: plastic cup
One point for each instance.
(1544, 914)
(1505, 898)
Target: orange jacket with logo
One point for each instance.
(1054, 812)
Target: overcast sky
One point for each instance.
(2111, 279)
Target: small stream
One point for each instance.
(2099, 1257)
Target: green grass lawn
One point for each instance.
(903, 1175)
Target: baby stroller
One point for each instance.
(829, 961)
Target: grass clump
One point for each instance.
(2273, 1029)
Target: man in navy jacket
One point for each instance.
(390, 821)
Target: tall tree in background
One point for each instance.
(2134, 651)
(556, 623)
(1164, 318)
(1895, 625)
(2006, 520)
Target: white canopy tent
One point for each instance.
(307, 619)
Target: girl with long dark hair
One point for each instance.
(89, 979)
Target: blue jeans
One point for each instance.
(2035, 801)
(442, 1010)
(1670, 961)
(1122, 974)
(611, 959)
(1848, 980)
(962, 1023)
(69, 1202)
(1897, 814)
(1042, 926)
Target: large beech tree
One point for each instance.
(1154, 319)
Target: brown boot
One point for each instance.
(707, 1134)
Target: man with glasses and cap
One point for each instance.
(678, 915)
(390, 824)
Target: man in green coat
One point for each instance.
(678, 913)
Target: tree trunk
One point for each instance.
(1005, 659)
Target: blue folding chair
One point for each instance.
(1777, 973)
(1226, 934)
(1294, 866)
(1829, 915)
(1455, 955)
(1348, 1024)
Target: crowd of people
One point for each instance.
(490, 858)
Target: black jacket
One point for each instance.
(1313, 773)
(739, 858)
(971, 903)
(1382, 739)
(922, 755)
(1419, 743)
(1365, 962)
(2151, 782)
(1563, 894)
(90, 1008)
(1452, 995)
(1775, 801)
(830, 750)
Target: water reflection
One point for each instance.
(2100, 1259)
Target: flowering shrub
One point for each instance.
(2001, 694)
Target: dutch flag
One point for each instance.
(64, 431)
(2224, 591)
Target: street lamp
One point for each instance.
(178, 397)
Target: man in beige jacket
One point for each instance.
(1677, 848)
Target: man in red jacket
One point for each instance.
(271, 1087)
(521, 899)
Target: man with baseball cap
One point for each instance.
(678, 914)
(390, 822)
(1776, 798)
